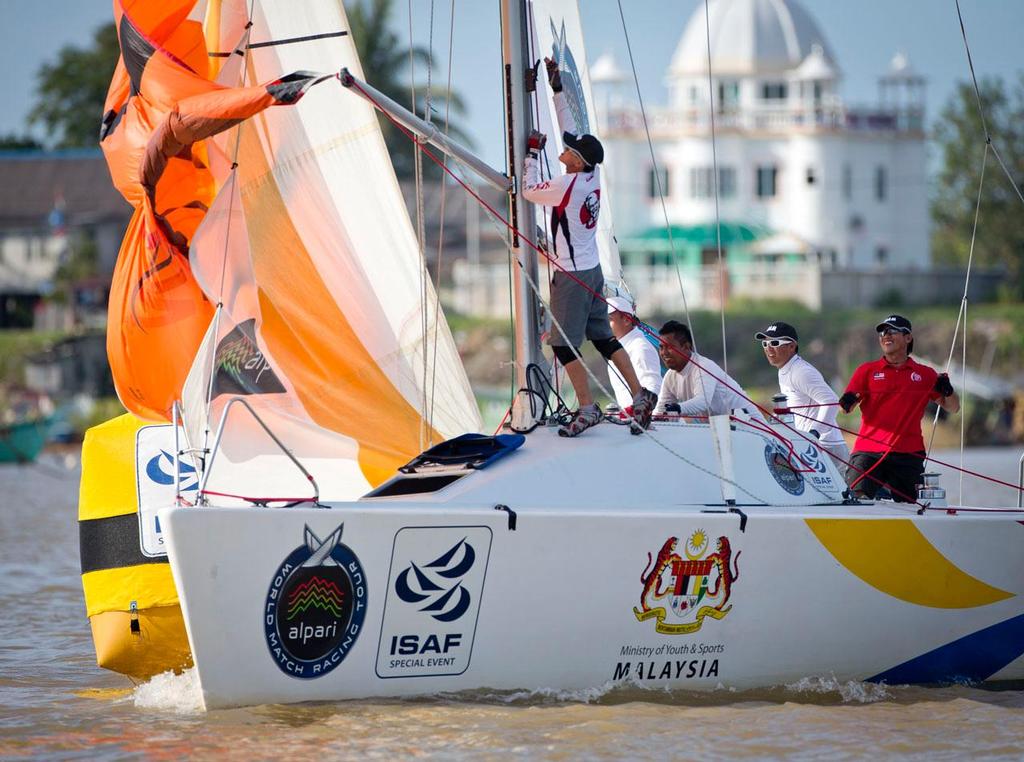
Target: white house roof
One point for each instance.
(815, 67)
(606, 69)
(748, 37)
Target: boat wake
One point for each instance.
(170, 692)
(851, 691)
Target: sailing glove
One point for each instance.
(847, 401)
(815, 433)
(942, 385)
(536, 141)
(554, 75)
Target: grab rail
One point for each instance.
(1020, 481)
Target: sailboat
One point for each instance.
(343, 533)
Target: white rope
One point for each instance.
(718, 216)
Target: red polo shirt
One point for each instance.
(892, 401)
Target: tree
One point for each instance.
(14, 142)
(961, 139)
(69, 101)
(386, 67)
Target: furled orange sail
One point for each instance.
(159, 110)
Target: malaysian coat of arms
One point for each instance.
(681, 592)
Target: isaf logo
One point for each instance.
(160, 469)
(315, 606)
(436, 585)
(445, 604)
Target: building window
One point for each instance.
(881, 183)
(881, 255)
(728, 95)
(812, 176)
(774, 91)
(657, 182)
(702, 185)
(847, 182)
(693, 94)
(767, 179)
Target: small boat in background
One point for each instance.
(26, 419)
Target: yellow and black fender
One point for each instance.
(130, 598)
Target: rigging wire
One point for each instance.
(661, 194)
(444, 198)
(417, 161)
(714, 169)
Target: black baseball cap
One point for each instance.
(898, 322)
(587, 146)
(777, 330)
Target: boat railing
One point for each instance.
(1020, 481)
(216, 448)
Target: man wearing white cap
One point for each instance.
(642, 353)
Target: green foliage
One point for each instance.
(72, 89)
(960, 136)
(16, 346)
(386, 66)
(14, 142)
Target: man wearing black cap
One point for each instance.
(813, 402)
(893, 392)
(577, 306)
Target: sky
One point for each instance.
(863, 34)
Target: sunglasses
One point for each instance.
(775, 342)
(892, 331)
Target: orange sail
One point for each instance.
(160, 108)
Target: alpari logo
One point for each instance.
(155, 470)
(315, 606)
(438, 583)
(780, 464)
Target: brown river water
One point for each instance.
(56, 704)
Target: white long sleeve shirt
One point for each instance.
(803, 384)
(575, 201)
(644, 358)
(688, 386)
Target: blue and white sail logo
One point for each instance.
(434, 593)
(154, 483)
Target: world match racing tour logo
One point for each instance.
(681, 593)
(315, 606)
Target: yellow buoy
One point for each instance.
(130, 597)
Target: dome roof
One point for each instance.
(606, 69)
(748, 37)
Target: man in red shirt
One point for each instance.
(893, 392)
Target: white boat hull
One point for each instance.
(861, 593)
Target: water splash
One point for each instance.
(169, 692)
(851, 691)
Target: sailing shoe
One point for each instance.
(643, 408)
(582, 420)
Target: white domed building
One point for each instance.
(806, 184)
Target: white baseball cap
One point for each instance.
(620, 304)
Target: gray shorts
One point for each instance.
(579, 311)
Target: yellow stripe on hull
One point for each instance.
(894, 557)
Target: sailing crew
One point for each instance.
(694, 385)
(577, 305)
(812, 401)
(643, 355)
(893, 393)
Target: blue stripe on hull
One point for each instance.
(972, 658)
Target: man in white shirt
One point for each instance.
(805, 388)
(696, 388)
(642, 353)
(577, 304)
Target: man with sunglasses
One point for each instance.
(577, 304)
(893, 393)
(812, 401)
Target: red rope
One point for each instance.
(262, 499)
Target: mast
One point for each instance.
(519, 122)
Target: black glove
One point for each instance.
(554, 75)
(942, 385)
(814, 433)
(536, 141)
(847, 401)
(673, 407)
